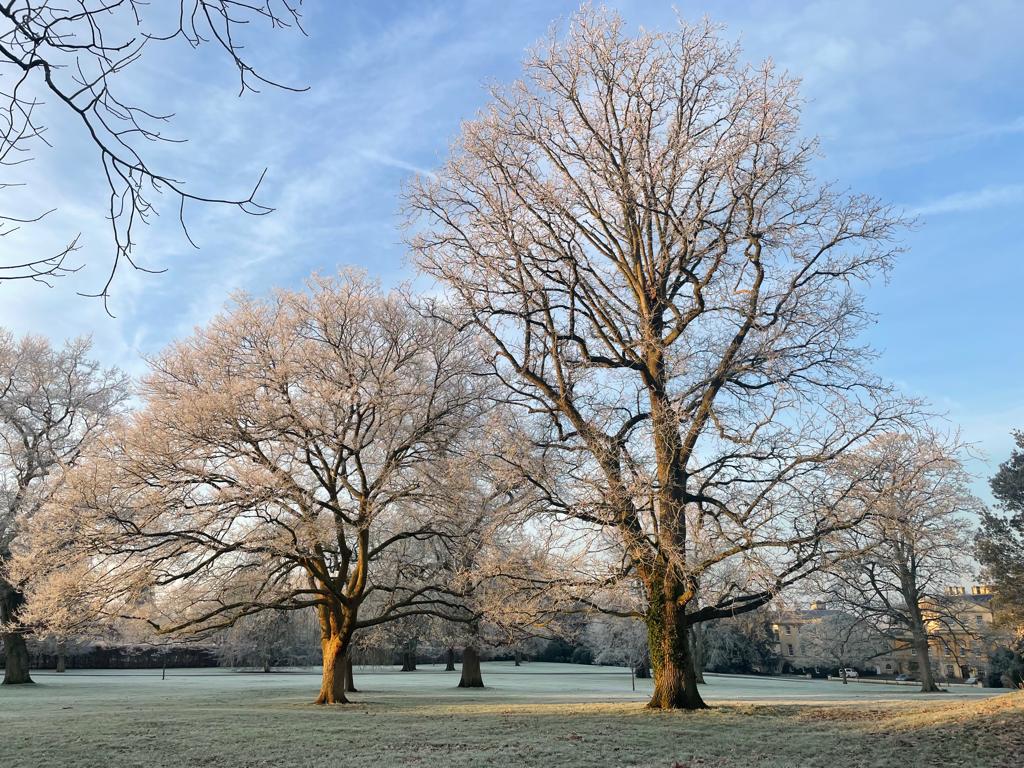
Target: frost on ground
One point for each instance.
(535, 715)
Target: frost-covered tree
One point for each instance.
(53, 402)
(912, 546)
(673, 298)
(295, 453)
(839, 639)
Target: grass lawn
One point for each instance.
(537, 715)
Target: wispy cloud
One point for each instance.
(976, 200)
(395, 162)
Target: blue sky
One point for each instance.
(919, 103)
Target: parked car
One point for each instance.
(903, 678)
(848, 672)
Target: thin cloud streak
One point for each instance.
(963, 202)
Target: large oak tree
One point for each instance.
(295, 453)
(635, 227)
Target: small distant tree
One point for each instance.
(741, 644)
(1000, 542)
(840, 640)
(268, 639)
(619, 640)
(54, 402)
(293, 454)
(913, 545)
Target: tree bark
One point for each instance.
(668, 636)
(668, 632)
(697, 648)
(450, 665)
(332, 684)
(518, 658)
(409, 661)
(16, 667)
(642, 670)
(350, 682)
(15, 649)
(472, 677)
(924, 664)
(918, 629)
(61, 659)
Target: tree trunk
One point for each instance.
(668, 636)
(16, 666)
(697, 648)
(450, 665)
(668, 633)
(266, 665)
(350, 681)
(471, 675)
(409, 661)
(518, 658)
(924, 664)
(332, 684)
(61, 659)
(642, 670)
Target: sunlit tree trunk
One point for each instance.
(450, 661)
(335, 633)
(332, 684)
(675, 678)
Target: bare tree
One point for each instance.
(665, 287)
(620, 641)
(290, 455)
(73, 55)
(839, 639)
(53, 402)
(915, 544)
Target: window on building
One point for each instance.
(978, 621)
(790, 647)
(888, 666)
(913, 651)
(789, 629)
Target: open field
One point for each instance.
(537, 715)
